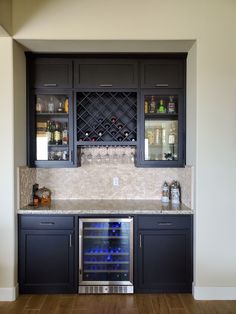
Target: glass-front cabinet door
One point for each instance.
(162, 128)
(53, 129)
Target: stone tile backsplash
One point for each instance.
(94, 180)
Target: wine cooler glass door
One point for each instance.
(106, 251)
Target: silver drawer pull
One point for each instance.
(70, 240)
(47, 223)
(165, 223)
(140, 241)
(105, 85)
(162, 85)
(50, 85)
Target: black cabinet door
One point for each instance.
(161, 134)
(165, 261)
(104, 73)
(162, 73)
(52, 73)
(46, 261)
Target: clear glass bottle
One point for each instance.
(51, 105)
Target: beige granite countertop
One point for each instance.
(75, 206)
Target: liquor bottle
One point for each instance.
(171, 105)
(146, 107)
(51, 105)
(64, 134)
(49, 132)
(66, 105)
(152, 107)
(39, 106)
(158, 136)
(52, 129)
(57, 134)
(163, 135)
(161, 108)
(171, 139)
(60, 108)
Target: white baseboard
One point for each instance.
(9, 294)
(214, 293)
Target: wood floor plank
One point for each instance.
(159, 303)
(50, 304)
(115, 304)
(65, 305)
(174, 301)
(191, 306)
(35, 302)
(144, 304)
(17, 306)
(30, 311)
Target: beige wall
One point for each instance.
(7, 221)
(5, 17)
(211, 23)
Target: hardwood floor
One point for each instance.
(115, 304)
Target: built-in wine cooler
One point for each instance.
(106, 255)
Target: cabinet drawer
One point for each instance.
(46, 222)
(162, 74)
(164, 222)
(106, 73)
(52, 73)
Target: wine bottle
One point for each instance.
(64, 134)
(57, 134)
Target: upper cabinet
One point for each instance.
(106, 73)
(84, 100)
(162, 73)
(52, 73)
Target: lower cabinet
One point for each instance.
(46, 254)
(164, 253)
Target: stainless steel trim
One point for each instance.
(165, 223)
(105, 289)
(140, 241)
(50, 84)
(105, 85)
(104, 283)
(162, 85)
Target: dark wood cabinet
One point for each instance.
(51, 129)
(52, 73)
(47, 254)
(161, 129)
(107, 97)
(164, 262)
(106, 73)
(163, 73)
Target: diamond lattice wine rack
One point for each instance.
(106, 118)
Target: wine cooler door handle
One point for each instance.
(105, 85)
(162, 85)
(50, 84)
(46, 223)
(140, 241)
